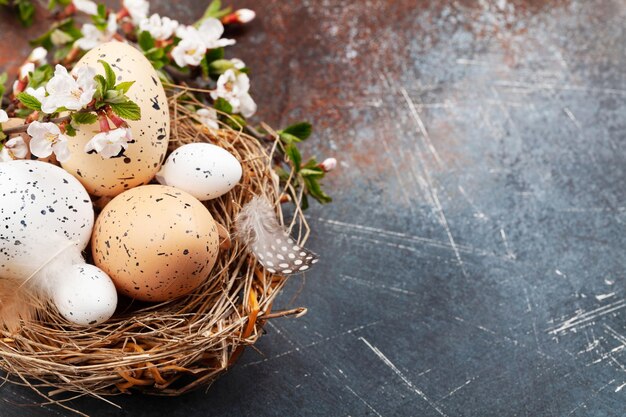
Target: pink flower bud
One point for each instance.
(240, 16)
(329, 164)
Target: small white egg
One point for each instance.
(85, 296)
(203, 170)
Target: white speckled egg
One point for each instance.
(39, 201)
(155, 242)
(85, 296)
(142, 159)
(203, 170)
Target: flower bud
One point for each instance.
(241, 16)
(329, 164)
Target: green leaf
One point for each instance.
(23, 113)
(316, 172)
(146, 41)
(29, 101)
(220, 66)
(223, 105)
(62, 52)
(214, 10)
(315, 190)
(288, 138)
(124, 86)
(300, 130)
(214, 54)
(294, 156)
(70, 130)
(26, 12)
(40, 76)
(101, 87)
(109, 74)
(68, 29)
(3, 80)
(84, 118)
(102, 11)
(236, 121)
(127, 110)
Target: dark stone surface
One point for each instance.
(473, 259)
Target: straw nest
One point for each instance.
(176, 346)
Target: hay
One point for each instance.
(176, 346)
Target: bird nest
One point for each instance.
(176, 346)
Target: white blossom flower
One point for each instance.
(46, 139)
(189, 51)
(245, 15)
(86, 6)
(92, 36)
(65, 91)
(210, 33)
(234, 88)
(137, 9)
(26, 69)
(39, 93)
(161, 28)
(4, 117)
(110, 144)
(14, 148)
(328, 164)
(208, 117)
(38, 56)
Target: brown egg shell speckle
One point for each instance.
(155, 242)
(143, 159)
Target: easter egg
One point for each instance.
(203, 170)
(39, 203)
(155, 242)
(143, 158)
(85, 296)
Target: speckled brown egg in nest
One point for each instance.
(176, 346)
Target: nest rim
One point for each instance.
(176, 346)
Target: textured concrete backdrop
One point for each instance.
(473, 260)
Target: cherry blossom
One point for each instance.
(245, 15)
(92, 36)
(65, 91)
(189, 51)
(161, 28)
(207, 117)
(137, 9)
(86, 6)
(234, 88)
(47, 139)
(14, 148)
(110, 144)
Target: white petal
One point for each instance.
(38, 55)
(211, 29)
(61, 150)
(86, 6)
(4, 117)
(40, 147)
(247, 106)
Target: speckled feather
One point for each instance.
(259, 230)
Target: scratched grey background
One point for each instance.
(473, 260)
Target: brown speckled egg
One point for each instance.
(155, 242)
(143, 159)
